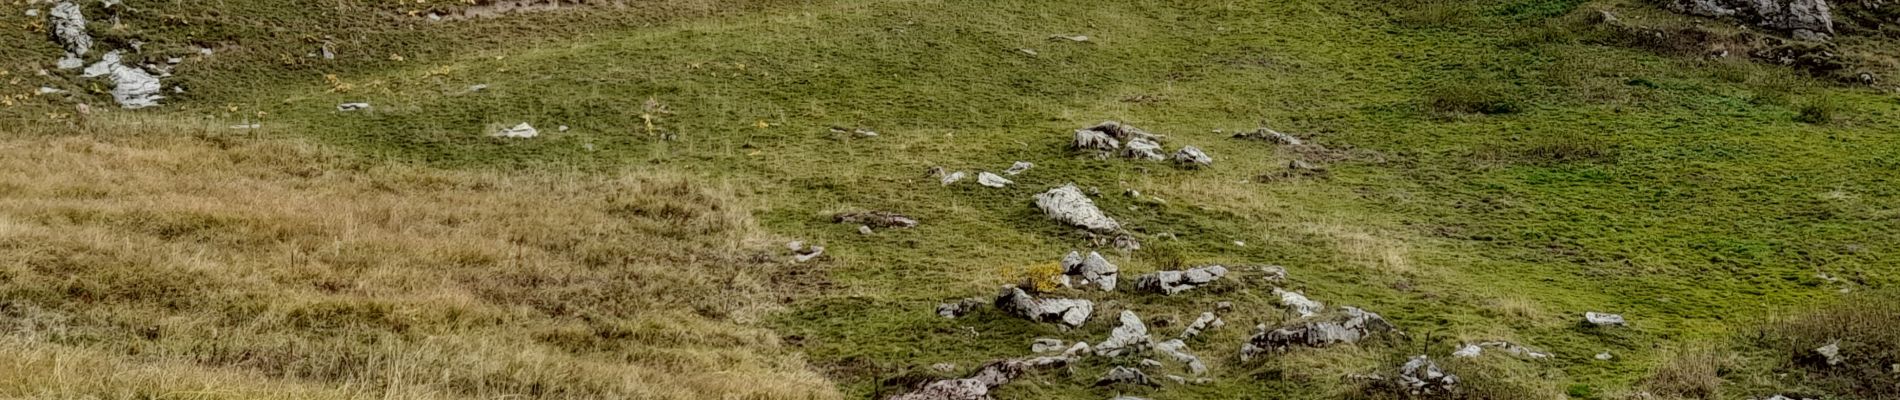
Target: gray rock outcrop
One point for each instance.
(132, 88)
(959, 308)
(1143, 149)
(1070, 312)
(1206, 322)
(1422, 376)
(1271, 136)
(1603, 320)
(978, 385)
(1298, 303)
(1130, 336)
(1177, 349)
(1068, 205)
(1193, 157)
(1347, 325)
(1091, 270)
(1172, 282)
(992, 180)
(1809, 18)
(1125, 376)
(66, 25)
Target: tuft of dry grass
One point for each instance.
(1863, 328)
(146, 258)
(1690, 373)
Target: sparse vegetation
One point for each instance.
(1492, 170)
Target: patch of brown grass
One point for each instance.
(147, 258)
(1693, 373)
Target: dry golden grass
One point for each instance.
(154, 259)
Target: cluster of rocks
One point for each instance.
(1116, 138)
(1477, 349)
(1172, 282)
(984, 178)
(132, 87)
(1093, 270)
(1346, 325)
(977, 386)
(1068, 312)
(869, 220)
(1810, 20)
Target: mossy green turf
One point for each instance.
(1704, 208)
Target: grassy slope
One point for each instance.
(1708, 206)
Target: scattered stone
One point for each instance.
(69, 62)
(1150, 363)
(132, 88)
(865, 230)
(1273, 273)
(1474, 350)
(1348, 325)
(1126, 243)
(1131, 335)
(1422, 376)
(352, 106)
(1018, 168)
(953, 177)
(944, 367)
(1047, 346)
(66, 24)
(1068, 205)
(522, 131)
(1070, 312)
(1224, 306)
(1605, 356)
(1270, 135)
(979, 384)
(477, 87)
(1602, 320)
(876, 219)
(1125, 376)
(992, 180)
(1298, 303)
(32, 12)
(50, 90)
(1207, 322)
(1030, 52)
(1177, 379)
(959, 308)
(562, 128)
(1178, 350)
(1193, 157)
(1171, 282)
(1831, 353)
(1072, 38)
(1091, 270)
(801, 253)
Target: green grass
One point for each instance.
(1501, 178)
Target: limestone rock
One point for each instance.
(1812, 16)
(1477, 349)
(1172, 282)
(1831, 353)
(1422, 376)
(1298, 303)
(1270, 135)
(959, 308)
(1070, 312)
(66, 24)
(132, 88)
(1131, 335)
(953, 177)
(875, 219)
(1091, 270)
(1206, 322)
(1348, 325)
(1125, 376)
(1086, 139)
(1602, 319)
(521, 131)
(1018, 168)
(1178, 350)
(992, 180)
(1193, 157)
(1143, 149)
(1273, 273)
(1068, 205)
(978, 385)
(352, 106)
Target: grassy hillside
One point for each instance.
(1495, 170)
